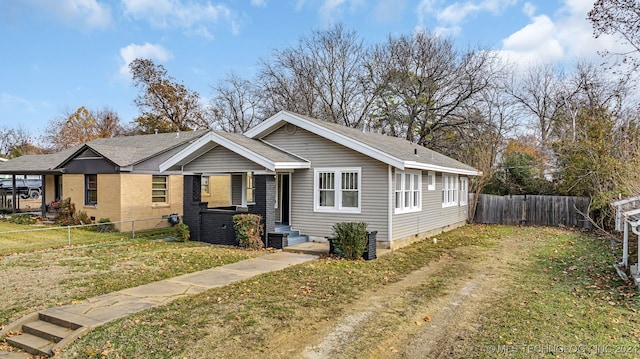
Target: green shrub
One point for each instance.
(22, 219)
(249, 230)
(182, 232)
(350, 239)
(105, 226)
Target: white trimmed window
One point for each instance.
(250, 187)
(449, 190)
(431, 181)
(464, 191)
(337, 190)
(408, 191)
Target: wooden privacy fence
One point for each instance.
(532, 210)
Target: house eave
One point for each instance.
(283, 116)
(436, 168)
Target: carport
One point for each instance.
(44, 166)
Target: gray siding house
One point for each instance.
(309, 174)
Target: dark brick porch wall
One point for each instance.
(215, 225)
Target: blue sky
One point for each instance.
(58, 55)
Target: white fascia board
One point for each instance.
(326, 133)
(186, 152)
(292, 165)
(215, 138)
(265, 125)
(244, 152)
(436, 168)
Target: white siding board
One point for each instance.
(432, 217)
(325, 153)
(221, 160)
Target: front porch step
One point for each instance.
(296, 239)
(40, 333)
(46, 330)
(32, 344)
(293, 236)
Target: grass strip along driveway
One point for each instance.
(486, 291)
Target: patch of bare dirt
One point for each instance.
(430, 313)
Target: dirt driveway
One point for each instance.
(431, 313)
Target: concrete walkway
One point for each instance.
(99, 310)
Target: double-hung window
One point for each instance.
(408, 191)
(449, 190)
(159, 189)
(464, 191)
(337, 190)
(90, 190)
(431, 181)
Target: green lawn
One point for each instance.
(565, 293)
(97, 263)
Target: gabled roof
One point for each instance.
(267, 156)
(36, 164)
(394, 151)
(125, 152)
(128, 151)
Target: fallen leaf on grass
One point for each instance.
(427, 318)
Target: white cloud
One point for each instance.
(455, 14)
(8, 101)
(146, 51)
(195, 18)
(529, 9)
(563, 38)
(536, 42)
(259, 3)
(89, 14)
(331, 11)
(387, 11)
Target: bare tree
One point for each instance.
(323, 76)
(619, 17)
(165, 104)
(16, 142)
(540, 93)
(234, 107)
(424, 84)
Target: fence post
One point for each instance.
(69, 235)
(133, 229)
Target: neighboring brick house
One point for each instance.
(113, 178)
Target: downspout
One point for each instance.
(390, 192)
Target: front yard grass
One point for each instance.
(565, 293)
(58, 276)
(568, 302)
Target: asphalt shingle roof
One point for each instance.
(394, 146)
(129, 150)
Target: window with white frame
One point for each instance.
(337, 189)
(464, 191)
(449, 190)
(431, 181)
(250, 186)
(204, 184)
(408, 191)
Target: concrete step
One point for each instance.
(65, 323)
(46, 330)
(296, 239)
(32, 344)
